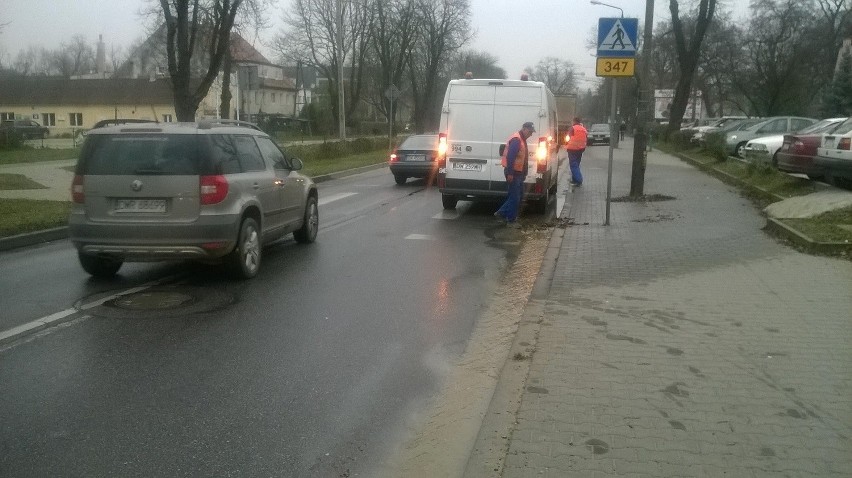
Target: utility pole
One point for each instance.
(646, 99)
(341, 104)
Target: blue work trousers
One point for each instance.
(511, 206)
(574, 157)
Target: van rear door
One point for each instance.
(471, 116)
(513, 106)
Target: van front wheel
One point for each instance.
(449, 201)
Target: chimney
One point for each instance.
(100, 60)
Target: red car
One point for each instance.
(798, 150)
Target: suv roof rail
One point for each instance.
(117, 121)
(207, 124)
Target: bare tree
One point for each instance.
(310, 37)
(392, 43)
(559, 75)
(75, 57)
(188, 22)
(687, 55)
(444, 28)
(32, 60)
(480, 64)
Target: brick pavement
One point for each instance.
(683, 341)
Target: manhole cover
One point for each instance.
(153, 300)
(159, 302)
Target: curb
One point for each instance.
(47, 235)
(798, 237)
(488, 455)
(32, 238)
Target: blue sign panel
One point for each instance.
(617, 37)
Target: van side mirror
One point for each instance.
(502, 148)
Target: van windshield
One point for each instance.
(144, 154)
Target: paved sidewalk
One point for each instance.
(680, 341)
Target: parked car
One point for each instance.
(834, 159)
(416, 157)
(205, 191)
(598, 133)
(736, 141)
(764, 150)
(24, 128)
(798, 151)
(725, 123)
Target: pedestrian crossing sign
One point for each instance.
(617, 37)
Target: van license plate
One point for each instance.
(467, 166)
(140, 205)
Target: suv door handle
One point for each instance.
(255, 186)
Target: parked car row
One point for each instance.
(821, 151)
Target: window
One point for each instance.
(250, 157)
(167, 118)
(272, 154)
(7, 116)
(75, 119)
(48, 119)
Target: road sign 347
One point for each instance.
(615, 67)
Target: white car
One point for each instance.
(762, 150)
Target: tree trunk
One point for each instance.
(225, 97)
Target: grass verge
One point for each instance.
(18, 216)
(826, 227)
(10, 182)
(32, 155)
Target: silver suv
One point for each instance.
(208, 191)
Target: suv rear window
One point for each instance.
(142, 154)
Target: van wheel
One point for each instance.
(308, 232)
(244, 260)
(449, 201)
(99, 266)
(400, 179)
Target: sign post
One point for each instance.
(616, 58)
(392, 93)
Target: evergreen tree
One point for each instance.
(838, 100)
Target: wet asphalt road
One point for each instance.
(313, 368)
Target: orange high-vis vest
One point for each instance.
(577, 141)
(522, 157)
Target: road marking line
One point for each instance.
(334, 197)
(420, 237)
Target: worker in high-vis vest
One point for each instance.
(515, 161)
(576, 144)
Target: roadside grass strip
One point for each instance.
(10, 182)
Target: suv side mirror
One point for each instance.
(297, 164)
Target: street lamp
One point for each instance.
(596, 2)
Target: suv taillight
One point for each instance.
(213, 189)
(77, 194)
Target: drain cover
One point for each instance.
(157, 302)
(150, 300)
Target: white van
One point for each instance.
(477, 118)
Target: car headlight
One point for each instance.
(732, 137)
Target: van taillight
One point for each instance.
(442, 144)
(213, 189)
(844, 143)
(541, 151)
(77, 194)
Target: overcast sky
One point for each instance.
(519, 33)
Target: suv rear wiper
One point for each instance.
(150, 171)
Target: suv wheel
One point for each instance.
(308, 232)
(99, 266)
(244, 260)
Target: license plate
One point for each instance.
(415, 157)
(467, 166)
(140, 205)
